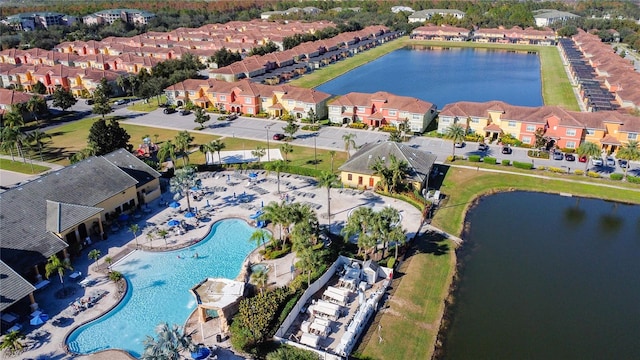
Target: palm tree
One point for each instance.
(214, 146)
(150, 236)
(398, 169)
(260, 237)
(134, 228)
(588, 149)
(108, 260)
(163, 234)
(94, 255)
(36, 136)
(349, 142)
(115, 276)
(171, 341)
(456, 133)
(380, 168)
(332, 153)
(385, 223)
(361, 223)
(328, 180)
(259, 152)
(310, 260)
(55, 265)
(260, 278)
(8, 140)
(183, 142)
(277, 166)
(36, 105)
(629, 152)
(11, 342)
(276, 213)
(182, 182)
(286, 149)
(167, 150)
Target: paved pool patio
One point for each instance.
(217, 202)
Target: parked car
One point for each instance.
(459, 144)
(278, 136)
(596, 161)
(582, 159)
(169, 110)
(558, 155)
(507, 150)
(120, 102)
(623, 163)
(483, 147)
(232, 117)
(570, 157)
(89, 101)
(610, 161)
(185, 112)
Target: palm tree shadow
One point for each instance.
(429, 243)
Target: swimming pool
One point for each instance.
(159, 286)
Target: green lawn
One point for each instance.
(410, 324)
(462, 187)
(148, 107)
(21, 167)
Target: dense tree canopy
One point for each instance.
(107, 137)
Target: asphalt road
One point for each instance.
(331, 138)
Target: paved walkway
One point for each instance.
(47, 341)
(8, 178)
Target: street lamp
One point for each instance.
(315, 151)
(268, 152)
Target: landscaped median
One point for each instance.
(20, 166)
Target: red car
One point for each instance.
(278, 136)
(582, 159)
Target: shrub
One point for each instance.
(568, 150)
(556, 169)
(358, 126)
(388, 128)
(506, 162)
(538, 154)
(633, 179)
(541, 168)
(474, 137)
(579, 172)
(276, 254)
(311, 127)
(593, 174)
(616, 176)
(391, 262)
(522, 165)
(474, 158)
(489, 160)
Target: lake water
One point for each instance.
(548, 277)
(446, 76)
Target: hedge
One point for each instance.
(633, 179)
(616, 176)
(474, 158)
(506, 162)
(522, 165)
(489, 160)
(538, 154)
(593, 174)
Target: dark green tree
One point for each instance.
(107, 137)
(63, 98)
(39, 88)
(291, 128)
(101, 104)
(201, 117)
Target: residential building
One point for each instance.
(356, 172)
(56, 213)
(441, 33)
(31, 21)
(382, 108)
(547, 17)
(9, 99)
(426, 15)
(130, 16)
(563, 128)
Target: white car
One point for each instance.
(596, 161)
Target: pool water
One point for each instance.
(259, 267)
(159, 284)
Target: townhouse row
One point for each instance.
(564, 129)
(246, 97)
(81, 82)
(515, 35)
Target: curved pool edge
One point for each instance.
(242, 273)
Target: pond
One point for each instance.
(548, 277)
(446, 76)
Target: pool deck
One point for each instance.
(47, 340)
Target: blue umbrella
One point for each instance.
(253, 175)
(174, 204)
(189, 215)
(201, 353)
(39, 319)
(123, 217)
(173, 222)
(195, 188)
